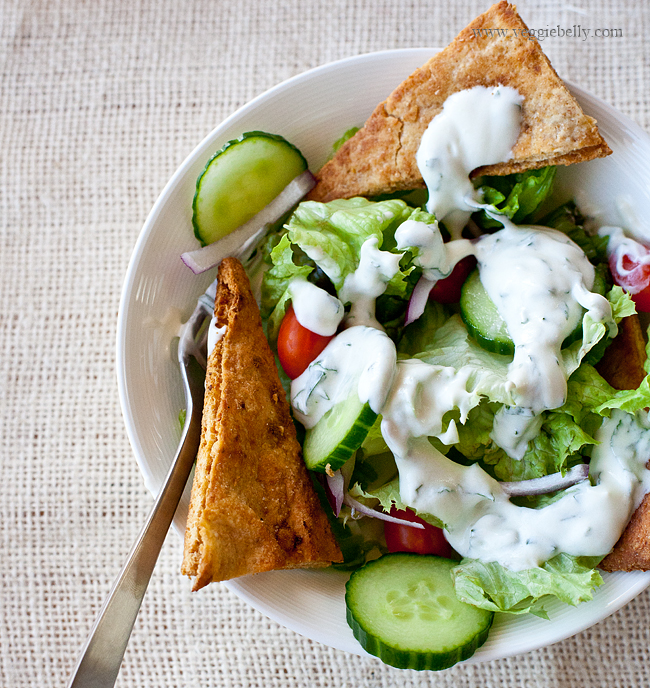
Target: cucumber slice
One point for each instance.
(482, 318)
(241, 179)
(338, 434)
(485, 323)
(403, 609)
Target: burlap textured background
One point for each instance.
(99, 103)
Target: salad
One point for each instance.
(439, 351)
(427, 432)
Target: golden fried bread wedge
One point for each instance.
(380, 158)
(622, 367)
(253, 507)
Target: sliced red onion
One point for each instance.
(418, 300)
(367, 511)
(336, 484)
(547, 483)
(245, 237)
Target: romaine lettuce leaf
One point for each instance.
(621, 302)
(417, 336)
(453, 346)
(629, 400)
(275, 294)
(553, 450)
(389, 496)
(347, 135)
(517, 196)
(568, 219)
(491, 586)
(332, 234)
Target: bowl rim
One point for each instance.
(642, 580)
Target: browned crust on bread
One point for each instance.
(622, 364)
(380, 158)
(622, 367)
(253, 507)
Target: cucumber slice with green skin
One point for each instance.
(482, 318)
(485, 323)
(241, 179)
(403, 609)
(338, 434)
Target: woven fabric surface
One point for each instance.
(99, 103)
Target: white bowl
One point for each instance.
(312, 110)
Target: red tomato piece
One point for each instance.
(634, 277)
(447, 290)
(401, 538)
(297, 346)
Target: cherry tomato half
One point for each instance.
(297, 346)
(447, 290)
(401, 538)
(635, 278)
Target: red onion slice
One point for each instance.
(336, 484)
(367, 511)
(418, 300)
(547, 483)
(244, 238)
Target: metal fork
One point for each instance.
(100, 658)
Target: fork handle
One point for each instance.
(100, 659)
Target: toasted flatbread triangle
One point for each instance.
(253, 506)
(495, 49)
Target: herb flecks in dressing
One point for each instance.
(539, 281)
(478, 126)
(360, 360)
(481, 522)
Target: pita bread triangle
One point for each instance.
(253, 506)
(495, 49)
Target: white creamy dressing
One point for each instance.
(514, 427)
(478, 126)
(215, 333)
(481, 522)
(436, 258)
(359, 359)
(362, 287)
(420, 397)
(539, 280)
(315, 309)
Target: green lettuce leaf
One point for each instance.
(517, 196)
(586, 390)
(332, 234)
(621, 302)
(555, 448)
(275, 294)
(492, 586)
(326, 238)
(453, 346)
(568, 219)
(347, 135)
(629, 400)
(417, 336)
(389, 496)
